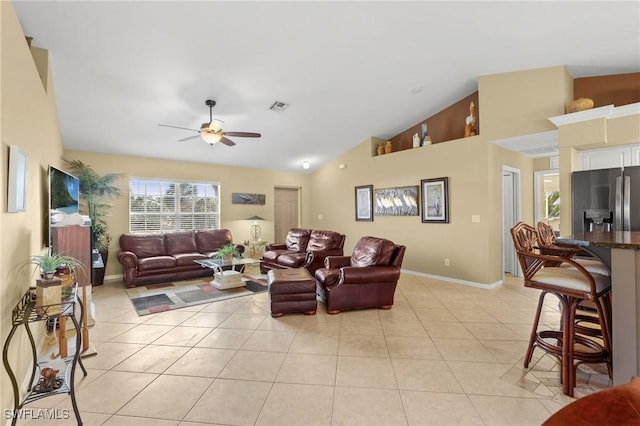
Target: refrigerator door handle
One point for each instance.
(618, 226)
(627, 203)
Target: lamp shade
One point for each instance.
(255, 217)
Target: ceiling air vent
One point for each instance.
(279, 106)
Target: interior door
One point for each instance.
(510, 214)
(287, 212)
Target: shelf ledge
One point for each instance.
(607, 112)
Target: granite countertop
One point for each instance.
(617, 239)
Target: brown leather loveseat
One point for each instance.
(366, 279)
(303, 249)
(150, 258)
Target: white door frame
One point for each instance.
(507, 245)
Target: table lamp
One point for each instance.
(256, 230)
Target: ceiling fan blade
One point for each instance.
(242, 134)
(178, 127)
(188, 138)
(227, 141)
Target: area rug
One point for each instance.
(154, 298)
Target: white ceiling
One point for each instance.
(347, 69)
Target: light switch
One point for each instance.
(475, 218)
(320, 217)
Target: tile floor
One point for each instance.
(446, 354)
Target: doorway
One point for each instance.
(510, 216)
(287, 212)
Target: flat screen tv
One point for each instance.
(64, 194)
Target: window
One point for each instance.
(161, 206)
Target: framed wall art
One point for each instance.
(399, 201)
(17, 180)
(244, 198)
(364, 203)
(435, 200)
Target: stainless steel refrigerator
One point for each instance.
(606, 200)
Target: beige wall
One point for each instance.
(29, 120)
(231, 179)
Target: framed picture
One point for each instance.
(364, 203)
(17, 182)
(435, 200)
(397, 201)
(244, 198)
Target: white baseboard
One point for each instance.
(116, 277)
(455, 280)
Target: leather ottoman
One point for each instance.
(292, 290)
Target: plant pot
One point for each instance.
(227, 258)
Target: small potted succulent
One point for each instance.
(227, 253)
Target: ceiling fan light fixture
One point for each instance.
(216, 125)
(211, 138)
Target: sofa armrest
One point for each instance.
(128, 259)
(335, 262)
(275, 246)
(368, 274)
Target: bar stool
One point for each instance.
(571, 286)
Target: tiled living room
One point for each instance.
(445, 354)
(127, 88)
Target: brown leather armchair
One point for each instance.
(296, 242)
(321, 244)
(366, 279)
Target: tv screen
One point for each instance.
(64, 194)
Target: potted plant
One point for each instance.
(95, 191)
(227, 253)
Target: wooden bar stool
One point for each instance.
(571, 285)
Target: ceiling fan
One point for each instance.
(212, 132)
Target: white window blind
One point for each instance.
(161, 206)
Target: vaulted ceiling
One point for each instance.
(348, 70)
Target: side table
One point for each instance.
(44, 385)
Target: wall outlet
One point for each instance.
(446, 262)
(320, 217)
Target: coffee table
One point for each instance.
(231, 278)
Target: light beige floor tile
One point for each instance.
(365, 372)
(253, 365)
(230, 402)
(438, 315)
(224, 306)
(138, 421)
(506, 351)
(255, 307)
(111, 354)
(412, 347)
(206, 319)
(112, 390)
(284, 323)
(308, 369)
(425, 375)
(403, 328)
(501, 411)
(473, 316)
(61, 418)
(167, 397)
(105, 331)
(296, 404)
(223, 338)
(315, 343)
(202, 362)
(458, 303)
(483, 331)
(513, 316)
(152, 359)
(363, 345)
(478, 378)
(361, 325)
(366, 407)
(447, 329)
(183, 336)
(398, 313)
(142, 334)
(425, 301)
(174, 317)
(267, 340)
(430, 408)
(242, 321)
(463, 350)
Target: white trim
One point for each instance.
(455, 280)
(517, 191)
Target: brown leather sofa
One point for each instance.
(366, 279)
(319, 245)
(150, 258)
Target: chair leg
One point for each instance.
(534, 330)
(605, 325)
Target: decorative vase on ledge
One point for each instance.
(380, 149)
(388, 148)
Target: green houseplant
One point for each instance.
(48, 264)
(95, 192)
(227, 253)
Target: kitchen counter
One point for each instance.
(624, 261)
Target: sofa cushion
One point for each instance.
(212, 240)
(187, 259)
(143, 245)
(292, 260)
(156, 262)
(328, 277)
(297, 240)
(324, 240)
(272, 255)
(370, 251)
(180, 242)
